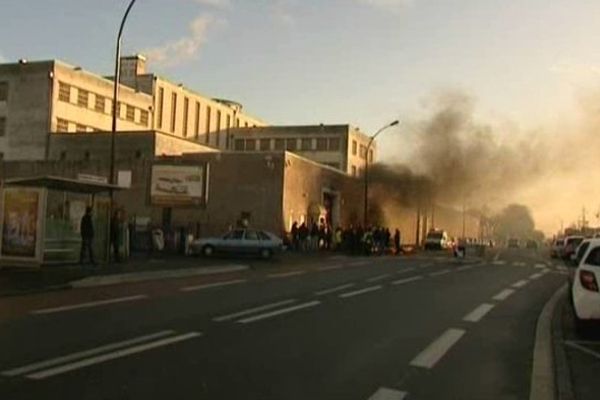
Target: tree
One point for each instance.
(514, 221)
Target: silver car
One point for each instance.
(239, 241)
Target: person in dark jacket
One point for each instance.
(397, 241)
(115, 234)
(87, 236)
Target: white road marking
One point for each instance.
(478, 313)
(442, 272)
(537, 275)
(285, 274)
(561, 268)
(539, 265)
(520, 284)
(279, 312)
(499, 262)
(253, 310)
(361, 291)
(111, 356)
(426, 265)
(582, 348)
(437, 349)
(503, 295)
(334, 289)
(378, 278)
(545, 271)
(465, 267)
(89, 304)
(518, 264)
(211, 285)
(388, 394)
(359, 263)
(497, 257)
(82, 354)
(331, 267)
(405, 270)
(407, 280)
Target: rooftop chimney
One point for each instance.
(131, 66)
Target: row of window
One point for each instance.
(62, 125)
(290, 144)
(2, 126)
(362, 151)
(3, 91)
(102, 104)
(87, 155)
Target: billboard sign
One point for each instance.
(177, 185)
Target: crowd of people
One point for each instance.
(316, 236)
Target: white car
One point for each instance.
(585, 295)
(240, 241)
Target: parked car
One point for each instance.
(436, 240)
(569, 247)
(531, 244)
(585, 296)
(513, 242)
(556, 248)
(239, 241)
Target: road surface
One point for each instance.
(425, 327)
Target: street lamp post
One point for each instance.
(366, 173)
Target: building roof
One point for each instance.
(62, 183)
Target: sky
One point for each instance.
(363, 62)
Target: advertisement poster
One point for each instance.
(177, 185)
(20, 223)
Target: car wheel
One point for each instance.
(208, 251)
(265, 253)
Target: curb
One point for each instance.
(543, 385)
(564, 383)
(131, 277)
(45, 289)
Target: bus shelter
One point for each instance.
(40, 219)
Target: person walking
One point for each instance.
(86, 229)
(115, 234)
(303, 236)
(397, 241)
(295, 237)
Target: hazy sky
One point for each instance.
(365, 62)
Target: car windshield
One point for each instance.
(299, 199)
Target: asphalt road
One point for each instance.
(383, 328)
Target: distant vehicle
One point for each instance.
(531, 244)
(570, 245)
(513, 242)
(436, 240)
(556, 247)
(171, 185)
(585, 296)
(240, 241)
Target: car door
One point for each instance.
(251, 243)
(232, 242)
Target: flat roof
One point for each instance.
(62, 183)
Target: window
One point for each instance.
(100, 103)
(82, 98)
(197, 120)
(263, 236)
(208, 110)
(363, 151)
(581, 252)
(62, 125)
(129, 113)
(237, 122)
(3, 91)
(354, 147)
(250, 144)
(265, 144)
(353, 170)
(290, 144)
(218, 127)
(2, 126)
(306, 144)
(63, 155)
(322, 144)
(86, 156)
(1, 155)
(279, 144)
(370, 156)
(245, 124)
(594, 257)
(80, 128)
(138, 154)
(234, 235)
(144, 117)
(251, 235)
(334, 144)
(161, 99)
(64, 92)
(173, 111)
(186, 106)
(227, 133)
(239, 144)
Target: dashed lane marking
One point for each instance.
(253, 310)
(281, 311)
(520, 284)
(499, 262)
(211, 285)
(503, 295)
(519, 264)
(285, 274)
(407, 280)
(465, 267)
(405, 270)
(388, 394)
(537, 275)
(439, 273)
(359, 292)
(378, 278)
(334, 289)
(359, 263)
(89, 304)
(331, 267)
(478, 313)
(429, 357)
(539, 265)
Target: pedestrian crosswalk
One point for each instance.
(540, 265)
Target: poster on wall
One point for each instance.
(21, 223)
(177, 185)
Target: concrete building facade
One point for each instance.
(339, 146)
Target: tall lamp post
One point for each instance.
(366, 174)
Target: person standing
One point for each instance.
(86, 229)
(115, 234)
(397, 241)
